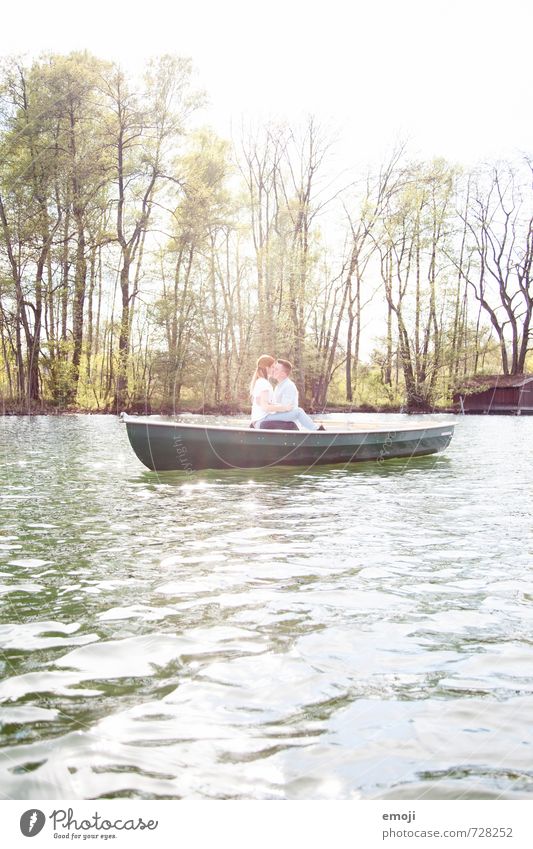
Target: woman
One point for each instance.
(262, 392)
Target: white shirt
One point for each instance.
(286, 393)
(259, 386)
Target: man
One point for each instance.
(287, 393)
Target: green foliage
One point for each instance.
(138, 252)
(57, 373)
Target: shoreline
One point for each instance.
(44, 409)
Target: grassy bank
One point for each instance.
(43, 408)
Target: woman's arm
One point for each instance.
(262, 400)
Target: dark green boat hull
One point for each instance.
(174, 446)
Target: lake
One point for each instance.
(327, 633)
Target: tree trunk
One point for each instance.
(80, 282)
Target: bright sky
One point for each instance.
(454, 78)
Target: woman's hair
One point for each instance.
(263, 363)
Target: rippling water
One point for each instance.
(285, 634)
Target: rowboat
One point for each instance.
(175, 445)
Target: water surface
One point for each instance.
(321, 633)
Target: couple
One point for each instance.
(280, 405)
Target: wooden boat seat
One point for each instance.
(276, 425)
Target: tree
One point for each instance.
(415, 268)
(202, 210)
(68, 87)
(30, 215)
(141, 129)
(499, 220)
(343, 303)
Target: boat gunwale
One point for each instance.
(143, 420)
